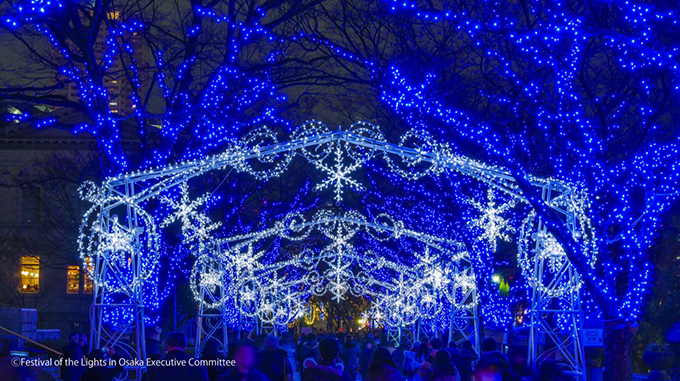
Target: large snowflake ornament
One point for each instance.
(184, 209)
(338, 175)
(491, 221)
(119, 244)
(338, 274)
(246, 262)
(197, 227)
(210, 280)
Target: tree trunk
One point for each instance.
(618, 353)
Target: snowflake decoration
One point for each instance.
(246, 263)
(201, 230)
(248, 294)
(338, 272)
(211, 279)
(184, 209)
(196, 225)
(491, 220)
(119, 243)
(338, 175)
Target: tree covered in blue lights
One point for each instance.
(579, 91)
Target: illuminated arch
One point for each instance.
(118, 226)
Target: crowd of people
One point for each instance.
(346, 357)
(331, 357)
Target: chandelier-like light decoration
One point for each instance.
(270, 294)
(260, 154)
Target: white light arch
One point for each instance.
(118, 219)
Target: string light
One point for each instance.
(254, 289)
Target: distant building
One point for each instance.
(40, 215)
(119, 88)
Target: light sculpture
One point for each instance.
(331, 269)
(230, 270)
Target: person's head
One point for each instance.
(368, 344)
(488, 368)
(517, 355)
(176, 341)
(488, 345)
(271, 341)
(244, 357)
(286, 339)
(443, 366)
(82, 338)
(381, 357)
(436, 343)
(467, 345)
(329, 348)
(349, 338)
(73, 337)
(423, 352)
(96, 354)
(310, 337)
(453, 345)
(153, 333)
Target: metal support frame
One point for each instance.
(129, 339)
(394, 335)
(547, 337)
(210, 322)
(464, 323)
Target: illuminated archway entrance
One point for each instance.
(119, 237)
(438, 279)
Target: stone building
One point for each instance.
(40, 213)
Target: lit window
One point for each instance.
(114, 15)
(88, 282)
(73, 279)
(30, 274)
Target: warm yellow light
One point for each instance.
(115, 15)
(30, 271)
(72, 279)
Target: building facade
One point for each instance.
(40, 171)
